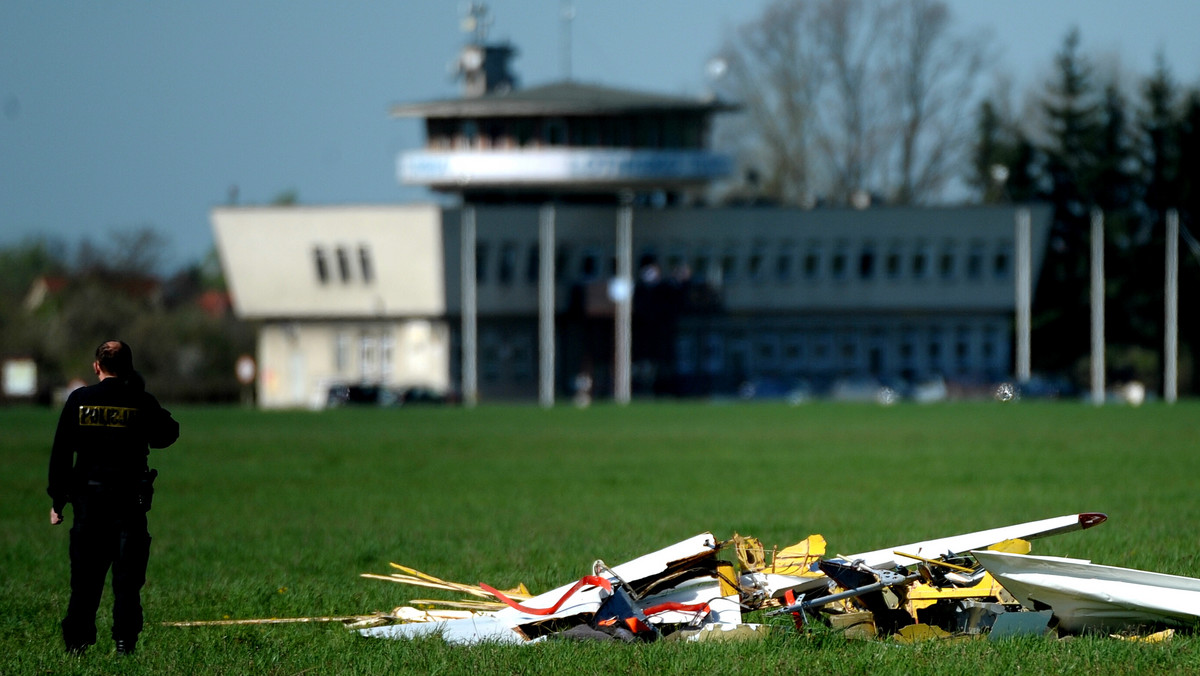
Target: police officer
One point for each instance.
(98, 464)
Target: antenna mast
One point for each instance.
(568, 16)
(477, 22)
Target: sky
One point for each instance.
(126, 114)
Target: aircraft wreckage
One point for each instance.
(983, 583)
(980, 583)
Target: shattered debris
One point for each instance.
(928, 590)
(966, 586)
(681, 586)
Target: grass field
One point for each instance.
(277, 514)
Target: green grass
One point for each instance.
(277, 514)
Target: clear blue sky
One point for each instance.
(126, 113)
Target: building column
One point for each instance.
(622, 295)
(546, 289)
(470, 347)
(1024, 291)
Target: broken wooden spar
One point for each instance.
(654, 582)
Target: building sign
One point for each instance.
(561, 167)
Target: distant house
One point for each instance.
(342, 294)
(214, 304)
(42, 289)
(139, 287)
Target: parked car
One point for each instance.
(423, 395)
(379, 395)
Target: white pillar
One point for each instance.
(1024, 291)
(624, 305)
(470, 373)
(1097, 307)
(546, 305)
(1171, 327)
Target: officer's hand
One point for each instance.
(55, 517)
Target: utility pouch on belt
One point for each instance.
(145, 489)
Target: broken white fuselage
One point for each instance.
(1088, 597)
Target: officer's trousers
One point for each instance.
(109, 531)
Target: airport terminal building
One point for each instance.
(578, 217)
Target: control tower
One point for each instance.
(558, 144)
(566, 141)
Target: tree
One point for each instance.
(1116, 183)
(1006, 165)
(287, 198)
(1071, 108)
(20, 265)
(846, 96)
(776, 72)
(124, 253)
(853, 129)
(989, 161)
(929, 89)
(1090, 153)
(1189, 156)
(1160, 125)
(1188, 201)
(1139, 249)
(112, 290)
(1119, 190)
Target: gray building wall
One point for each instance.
(767, 296)
(899, 295)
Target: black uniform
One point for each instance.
(107, 429)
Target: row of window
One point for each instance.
(505, 263)
(343, 263)
(958, 350)
(508, 262)
(949, 350)
(667, 130)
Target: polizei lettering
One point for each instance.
(106, 416)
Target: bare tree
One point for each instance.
(854, 130)
(129, 252)
(932, 86)
(775, 70)
(850, 96)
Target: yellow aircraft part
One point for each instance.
(915, 633)
(798, 559)
(1012, 547)
(727, 577)
(794, 560)
(922, 594)
(1156, 637)
(749, 553)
